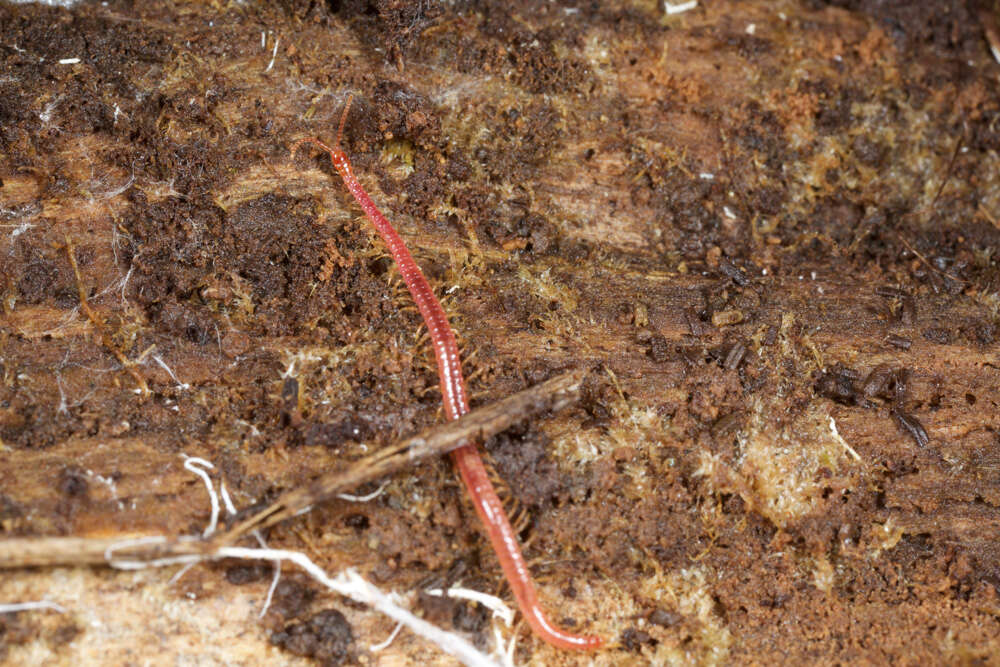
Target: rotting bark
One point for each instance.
(773, 224)
(485, 422)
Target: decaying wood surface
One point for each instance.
(771, 226)
(482, 423)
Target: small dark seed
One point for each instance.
(664, 618)
(694, 322)
(735, 356)
(726, 425)
(907, 311)
(290, 390)
(898, 341)
(659, 348)
(889, 292)
(734, 273)
(938, 335)
(877, 381)
(770, 336)
(912, 426)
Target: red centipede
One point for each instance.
(467, 459)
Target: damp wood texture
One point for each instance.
(765, 233)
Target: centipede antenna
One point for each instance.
(309, 140)
(343, 119)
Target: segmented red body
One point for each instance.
(453, 394)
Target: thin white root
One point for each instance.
(366, 498)
(15, 607)
(274, 54)
(348, 583)
(180, 385)
(679, 8)
(839, 438)
(195, 464)
(381, 646)
(496, 605)
(274, 580)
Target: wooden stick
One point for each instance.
(21, 552)
(555, 394)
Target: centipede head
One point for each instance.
(314, 141)
(336, 149)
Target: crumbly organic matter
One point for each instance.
(769, 227)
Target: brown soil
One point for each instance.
(771, 227)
